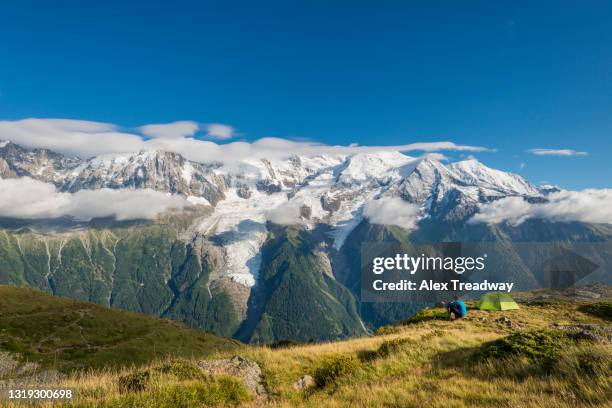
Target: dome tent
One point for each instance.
(496, 301)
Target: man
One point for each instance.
(456, 308)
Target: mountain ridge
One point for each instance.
(210, 265)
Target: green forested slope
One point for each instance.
(298, 300)
(143, 268)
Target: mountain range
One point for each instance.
(267, 249)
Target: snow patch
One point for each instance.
(187, 172)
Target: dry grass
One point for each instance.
(430, 368)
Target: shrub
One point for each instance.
(391, 346)
(182, 369)
(539, 347)
(134, 382)
(544, 352)
(333, 368)
(599, 309)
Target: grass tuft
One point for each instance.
(334, 368)
(182, 369)
(389, 347)
(137, 381)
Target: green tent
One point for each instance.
(496, 301)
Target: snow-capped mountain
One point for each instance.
(325, 184)
(330, 190)
(162, 171)
(454, 191)
(230, 264)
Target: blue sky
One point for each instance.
(506, 75)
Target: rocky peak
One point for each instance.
(42, 164)
(155, 169)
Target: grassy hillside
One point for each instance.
(540, 355)
(66, 334)
(142, 268)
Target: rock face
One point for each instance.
(5, 170)
(157, 170)
(41, 164)
(247, 371)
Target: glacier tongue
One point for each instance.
(239, 226)
(333, 189)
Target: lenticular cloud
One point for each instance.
(86, 139)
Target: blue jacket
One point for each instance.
(458, 305)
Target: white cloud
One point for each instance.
(564, 206)
(183, 128)
(556, 152)
(220, 131)
(511, 209)
(392, 211)
(86, 139)
(521, 165)
(288, 213)
(435, 156)
(33, 199)
(71, 137)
